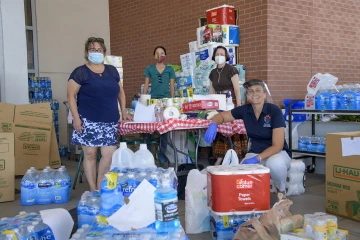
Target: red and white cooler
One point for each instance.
(222, 15)
(238, 188)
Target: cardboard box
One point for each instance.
(7, 167)
(343, 174)
(200, 105)
(35, 137)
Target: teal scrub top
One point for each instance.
(160, 82)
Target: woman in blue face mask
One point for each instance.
(93, 93)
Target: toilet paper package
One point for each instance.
(201, 81)
(230, 35)
(193, 46)
(189, 61)
(205, 58)
(232, 54)
(183, 80)
(216, 33)
(242, 71)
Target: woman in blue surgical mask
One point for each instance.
(93, 93)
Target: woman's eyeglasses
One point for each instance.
(93, 50)
(160, 78)
(94, 39)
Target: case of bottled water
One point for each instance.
(88, 208)
(25, 226)
(312, 143)
(45, 187)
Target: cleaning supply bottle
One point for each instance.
(229, 102)
(122, 158)
(166, 206)
(143, 158)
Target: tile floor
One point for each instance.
(312, 201)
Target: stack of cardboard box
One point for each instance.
(27, 139)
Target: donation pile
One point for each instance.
(136, 201)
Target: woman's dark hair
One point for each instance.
(227, 56)
(161, 48)
(254, 82)
(90, 41)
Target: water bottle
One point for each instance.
(347, 98)
(130, 185)
(32, 235)
(166, 207)
(154, 179)
(357, 91)
(107, 190)
(302, 143)
(322, 145)
(45, 187)
(21, 233)
(82, 212)
(28, 189)
(314, 144)
(143, 158)
(61, 186)
(322, 99)
(48, 83)
(122, 158)
(43, 231)
(333, 98)
(66, 173)
(121, 182)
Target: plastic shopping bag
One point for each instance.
(252, 230)
(230, 158)
(196, 209)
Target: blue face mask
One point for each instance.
(96, 58)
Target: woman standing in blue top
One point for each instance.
(93, 93)
(265, 128)
(160, 76)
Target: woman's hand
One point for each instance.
(126, 117)
(253, 160)
(78, 125)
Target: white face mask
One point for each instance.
(220, 59)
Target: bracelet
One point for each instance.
(260, 158)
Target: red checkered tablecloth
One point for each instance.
(225, 129)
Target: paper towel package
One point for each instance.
(242, 72)
(238, 188)
(193, 46)
(224, 14)
(184, 80)
(189, 61)
(232, 54)
(116, 61)
(200, 36)
(230, 35)
(216, 33)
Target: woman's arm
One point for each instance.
(278, 138)
(172, 88)
(211, 90)
(122, 101)
(235, 82)
(72, 91)
(223, 117)
(146, 85)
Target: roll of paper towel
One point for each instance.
(295, 178)
(171, 112)
(144, 98)
(297, 166)
(294, 189)
(205, 58)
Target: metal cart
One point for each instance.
(74, 150)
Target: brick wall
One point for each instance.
(283, 42)
(136, 27)
(310, 36)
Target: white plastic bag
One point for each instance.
(196, 210)
(230, 158)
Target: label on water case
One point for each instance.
(166, 210)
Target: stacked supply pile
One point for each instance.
(24, 226)
(116, 61)
(318, 226)
(235, 195)
(45, 187)
(132, 175)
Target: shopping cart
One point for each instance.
(74, 150)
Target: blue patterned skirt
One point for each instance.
(96, 134)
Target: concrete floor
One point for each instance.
(312, 201)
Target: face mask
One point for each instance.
(96, 58)
(220, 59)
(160, 59)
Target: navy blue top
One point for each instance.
(260, 131)
(97, 99)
